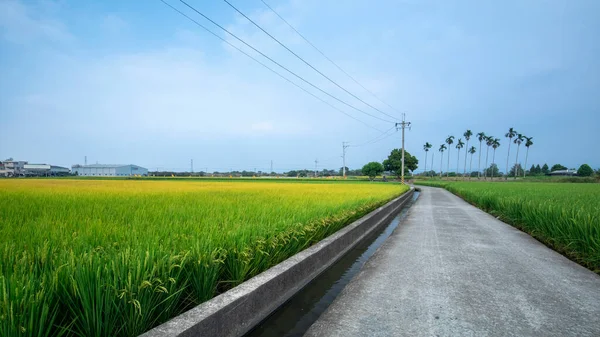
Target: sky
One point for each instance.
(135, 82)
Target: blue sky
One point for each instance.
(134, 82)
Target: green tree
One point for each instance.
(495, 145)
(459, 146)
(481, 137)
(532, 170)
(518, 140)
(394, 162)
(492, 171)
(510, 134)
(467, 136)
(528, 143)
(545, 169)
(557, 167)
(489, 140)
(472, 151)
(341, 171)
(442, 148)
(372, 169)
(449, 141)
(585, 171)
(516, 170)
(426, 147)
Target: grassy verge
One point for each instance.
(118, 257)
(566, 217)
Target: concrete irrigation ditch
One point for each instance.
(238, 310)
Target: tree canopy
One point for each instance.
(492, 171)
(585, 171)
(545, 169)
(372, 169)
(557, 167)
(394, 162)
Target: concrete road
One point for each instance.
(453, 270)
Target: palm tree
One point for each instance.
(471, 151)
(449, 141)
(467, 135)
(442, 148)
(489, 140)
(518, 141)
(510, 134)
(426, 147)
(432, 157)
(495, 145)
(459, 146)
(528, 143)
(481, 136)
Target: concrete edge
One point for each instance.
(238, 310)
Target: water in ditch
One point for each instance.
(295, 316)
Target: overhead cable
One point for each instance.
(304, 61)
(281, 66)
(328, 59)
(267, 67)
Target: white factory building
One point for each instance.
(44, 169)
(101, 170)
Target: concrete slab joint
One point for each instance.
(238, 310)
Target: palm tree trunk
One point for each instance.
(457, 161)
(448, 171)
(466, 152)
(494, 161)
(479, 165)
(526, 156)
(487, 152)
(507, 156)
(432, 156)
(471, 166)
(517, 161)
(441, 163)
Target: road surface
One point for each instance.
(451, 269)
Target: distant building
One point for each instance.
(101, 170)
(44, 170)
(563, 173)
(12, 168)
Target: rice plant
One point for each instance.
(117, 257)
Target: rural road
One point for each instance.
(452, 270)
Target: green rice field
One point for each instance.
(564, 216)
(118, 257)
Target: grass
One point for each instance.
(118, 257)
(565, 217)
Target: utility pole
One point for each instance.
(344, 146)
(192, 165)
(316, 162)
(403, 125)
(85, 160)
(271, 167)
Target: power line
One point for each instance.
(281, 66)
(304, 61)
(267, 67)
(330, 60)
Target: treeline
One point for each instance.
(293, 173)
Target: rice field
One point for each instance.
(118, 257)
(564, 216)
